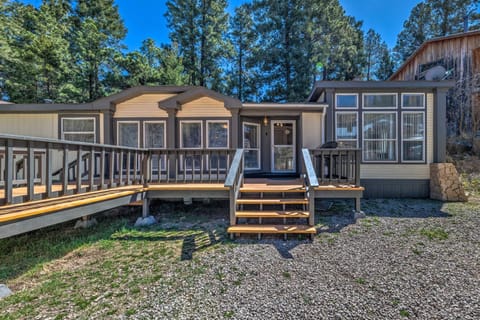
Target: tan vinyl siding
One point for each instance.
(204, 107)
(312, 129)
(143, 106)
(36, 125)
(395, 171)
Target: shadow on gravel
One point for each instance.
(333, 216)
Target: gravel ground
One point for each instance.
(407, 259)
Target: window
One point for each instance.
(128, 133)
(217, 138)
(154, 134)
(154, 137)
(413, 136)
(217, 132)
(379, 136)
(251, 146)
(380, 100)
(347, 129)
(78, 129)
(413, 100)
(346, 101)
(191, 134)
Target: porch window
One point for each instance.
(380, 100)
(346, 100)
(347, 129)
(78, 129)
(191, 138)
(413, 137)
(155, 138)
(191, 134)
(379, 136)
(217, 133)
(128, 133)
(154, 134)
(413, 100)
(251, 145)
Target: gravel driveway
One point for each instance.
(407, 259)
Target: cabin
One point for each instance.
(454, 57)
(272, 161)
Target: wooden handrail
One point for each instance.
(339, 165)
(309, 169)
(234, 169)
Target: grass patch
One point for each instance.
(434, 233)
(101, 270)
(360, 280)
(404, 313)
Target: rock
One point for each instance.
(84, 224)
(445, 184)
(4, 291)
(358, 215)
(145, 222)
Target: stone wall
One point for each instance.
(445, 184)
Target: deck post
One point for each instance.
(311, 207)
(49, 167)
(145, 207)
(65, 170)
(79, 169)
(102, 168)
(9, 168)
(91, 170)
(30, 172)
(111, 175)
(358, 159)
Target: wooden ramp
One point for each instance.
(20, 218)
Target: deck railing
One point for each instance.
(337, 166)
(37, 168)
(234, 182)
(311, 181)
(56, 167)
(189, 165)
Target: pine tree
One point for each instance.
(435, 18)
(242, 36)
(199, 28)
(378, 62)
(96, 41)
(37, 64)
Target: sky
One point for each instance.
(145, 18)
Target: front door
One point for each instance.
(283, 146)
(251, 145)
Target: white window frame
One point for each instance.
(273, 145)
(424, 138)
(364, 95)
(80, 132)
(417, 94)
(163, 160)
(118, 131)
(182, 122)
(228, 134)
(259, 149)
(164, 132)
(336, 127)
(364, 140)
(346, 94)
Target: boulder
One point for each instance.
(445, 184)
(145, 222)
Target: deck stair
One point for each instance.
(272, 207)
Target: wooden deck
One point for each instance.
(45, 182)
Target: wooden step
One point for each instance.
(273, 189)
(271, 229)
(272, 201)
(272, 214)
